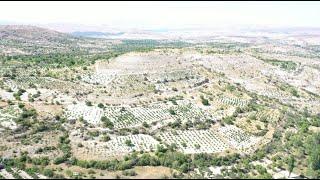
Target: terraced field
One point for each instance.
(191, 142)
(200, 108)
(19, 174)
(115, 147)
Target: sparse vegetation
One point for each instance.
(205, 109)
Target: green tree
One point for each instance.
(107, 122)
(100, 105)
(204, 101)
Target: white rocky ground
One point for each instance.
(190, 142)
(210, 141)
(115, 147)
(22, 174)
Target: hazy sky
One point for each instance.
(153, 15)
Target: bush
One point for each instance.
(172, 112)
(48, 172)
(128, 142)
(20, 105)
(107, 122)
(88, 103)
(60, 160)
(145, 124)
(228, 120)
(28, 113)
(129, 173)
(204, 101)
(100, 105)
(106, 138)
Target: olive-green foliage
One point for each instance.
(129, 173)
(228, 120)
(204, 101)
(107, 122)
(286, 65)
(64, 146)
(163, 157)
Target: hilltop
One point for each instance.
(32, 40)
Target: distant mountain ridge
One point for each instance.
(28, 32)
(27, 40)
(94, 34)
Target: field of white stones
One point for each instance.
(27, 82)
(237, 138)
(116, 146)
(155, 114)
(214, 140)
(123, 77)
(126, 116)
(107, 77)
(195, 141)
(234, 101)
(187, 141)
(7, 117)
(14, 173)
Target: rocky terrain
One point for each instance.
(217, 107)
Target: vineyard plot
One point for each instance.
(195, 141)
(117, 146)
(237, 138)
